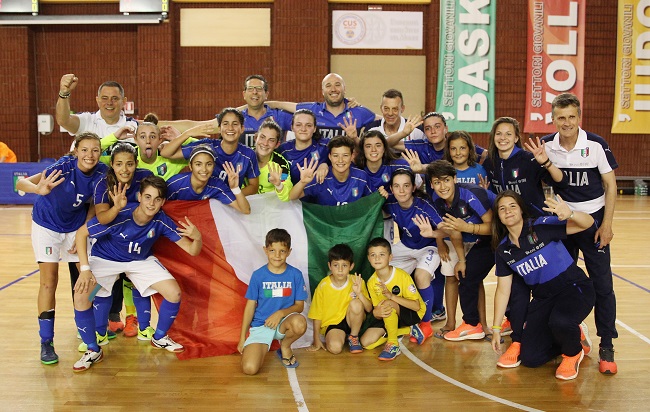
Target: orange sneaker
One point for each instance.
(131, 328)
(584, 338)
(568, 369)
(115, 323)
(425, 327)
(510, 358)
(606, 364)
(466, 331)
(506, 329)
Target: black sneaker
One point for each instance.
(48, 356)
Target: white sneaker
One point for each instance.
(167, 343)
(87, 360)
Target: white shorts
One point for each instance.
(49, 245)
(142, 273)
(447, 268)
(408, 259)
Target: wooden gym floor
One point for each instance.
(438, 375)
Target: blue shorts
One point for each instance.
(264, 334)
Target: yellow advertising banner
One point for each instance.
(632, 99)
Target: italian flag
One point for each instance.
(214, 283)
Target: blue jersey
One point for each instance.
(274, 291)
(521, 173)
(541, 258)
(334, 193)
(425, 150)
(471, 174)
(63, 209)
(179, 187)
(584, 166)
(252, 125)
(409, 233)
(470, 203)
(382, 176)
(328, 124)
(101, 188)
(243, 159)
(123, 240)
(317, 150)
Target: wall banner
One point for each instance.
(556, 53)
(466, 71)
(353, 29)
(632, 98)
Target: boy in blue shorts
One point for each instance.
(276, 295)
(398, 307)
(340, 304)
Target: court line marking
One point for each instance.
(297, 393)
(633, 332)
(461, 385)
(18, 280)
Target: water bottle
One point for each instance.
(637, 187)
(644, 189)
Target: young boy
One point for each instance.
(340, 304)
(276, 295)
(342, 185)
(124, 246)
(398, 307)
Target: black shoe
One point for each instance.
(48, 356)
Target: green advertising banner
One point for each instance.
(466, 71)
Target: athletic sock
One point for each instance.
(143, 309)
(390, 324)
(427, 297)
(166, 316)
(438, 284)
(85, 320)
(127, 290)
(46, 326)
(101, 307)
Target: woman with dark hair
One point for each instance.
(563, 295)
(378, 160)
(308, 143)
(460, 151)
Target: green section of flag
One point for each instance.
(354, 224)
(466, 68)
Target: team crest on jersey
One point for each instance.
(412, 288)
(395, 290)
(150, 234)
(355, 192)
(584, 152)
(515, 173)
(48, 250)
(385, 178)
(463, 210)
(315, 156)
(240, 167)
(162, 169)
(532, 238)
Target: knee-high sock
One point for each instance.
(438, 284)
(46, 326)
(85, 321)
(427, 297)
(166, 316)
(101, 307)
(390, 324)
(117, 297)
(143, 309)
(129, 307)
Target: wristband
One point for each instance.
(235, 191)
(83, 268)
(547, 164)
(571, 215)
(64, 95)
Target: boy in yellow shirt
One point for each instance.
(339, 305)
(398, 307)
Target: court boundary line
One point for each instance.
(295, 389)
(18, 280)
(461, 385)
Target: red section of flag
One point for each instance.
(212, 301)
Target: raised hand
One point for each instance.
(68, 83)
(307, 170)
(233, 175)
(349, 127)
(424, 224)
(201, 130)
(357, 282)
(47, 183)
(118, 195)
(413, 159)
(124, 132)
(483, 182)
(536, 147)
(411, 123)
(188, 229)
(169, 133)
(557, 206)
(275, 173)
